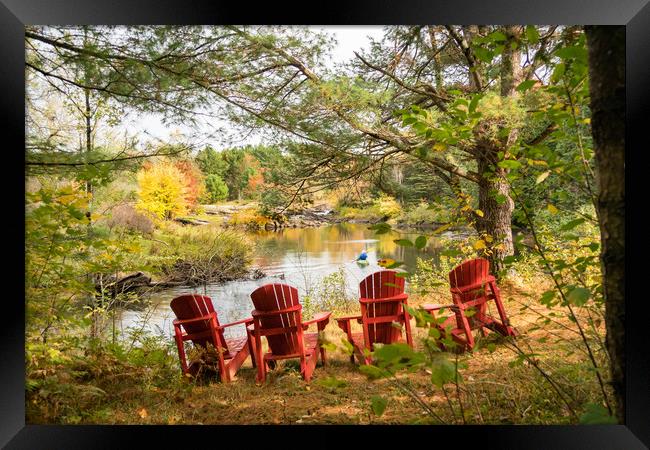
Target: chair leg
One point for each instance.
(252, 351)
(181, 351)
(304, 369)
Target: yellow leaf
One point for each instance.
(587, 120)
(479, 244)
(143, 413)
(67, 199)
(385, 262)
(552, 209)
(488, 238)
(479, 213)
(439, 146)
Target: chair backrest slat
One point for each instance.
(274, 297)
(380, 285)
(470, 272)
(191, 306)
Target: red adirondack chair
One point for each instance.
(472, 286)
(383, 303)
(278, 316)
(197, 321)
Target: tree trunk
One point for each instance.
(607, 86)
(497, 216)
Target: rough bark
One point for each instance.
(607, 86)
(497, 217)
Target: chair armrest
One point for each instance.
(344, 324)
(257, 313)
(347, 319)
(384, 299)
(320, 317)
(247, 321)
(434, 307)
(472, 287)
(196, 319)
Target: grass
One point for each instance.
(150, 389)
(199, 254)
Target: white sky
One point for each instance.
(349, 39)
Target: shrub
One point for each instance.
(203, 255)
(423, 213)
(387, 206)
(249, 218)
(330, 294)
(127, 217)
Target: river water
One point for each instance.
(301, 257)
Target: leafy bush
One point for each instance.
(202, 255)
(330, 294)
(127, 217)
(249, 218)
(382, 207)
(424, 213)
(387, 206)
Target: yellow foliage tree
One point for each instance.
(162, 190)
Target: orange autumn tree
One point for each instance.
(194, 182)
(255, 182)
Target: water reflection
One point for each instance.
(297, 256)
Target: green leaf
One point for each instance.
(403, 242)
(558, 72)
(578, 296)
(420, 242)
(451, 252)
(497, 36)
(442, 372)
(331, 382)
(509, 164)
(572, 224)
(532, 34)
(596, 414)
(547, 297)
(474, 103)
(525, 85)
(372, 372)
(491, 347)
(483, 54)
(378, 405)
(574, 52)
(380, 228)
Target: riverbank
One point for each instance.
(246, 215)
(141, 384)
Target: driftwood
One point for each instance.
(186, 221)
(115, 285)
(185, 276)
